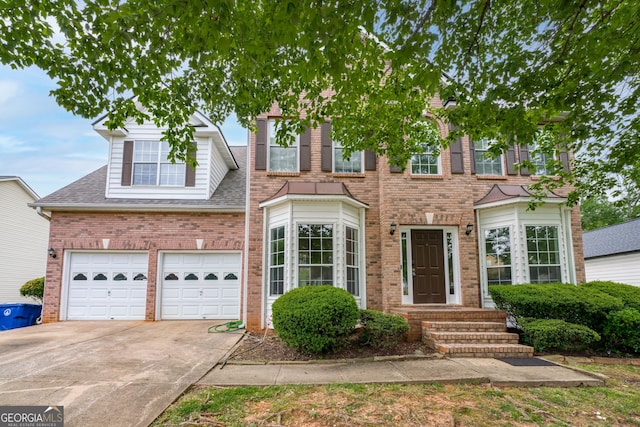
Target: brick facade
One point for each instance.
(128, 231)
(402, 198)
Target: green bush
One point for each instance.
(315, 319)
(381, 329)
(34, 289)
(557, 335)
(574, 304)
(629, 295)
(622, 331)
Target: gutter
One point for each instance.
(42, 214)
(93, 207)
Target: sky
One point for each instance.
(47, 146)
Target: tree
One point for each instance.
(598, 212)
(509, 67)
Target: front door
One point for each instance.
(428, 267)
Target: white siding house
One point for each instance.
(23, 239)
(613, 253)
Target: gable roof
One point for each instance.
(21, 183)
(88, 194)
(504, 194)
(202, 126)
(615, 239)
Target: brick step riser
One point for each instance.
(495, 350)
(500, 340)
(464, 326)
(490, 355)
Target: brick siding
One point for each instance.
(151, 232)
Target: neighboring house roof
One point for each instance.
(502, 193)
(88, 193)
(20, 182)
(331, 189)
(615, 239)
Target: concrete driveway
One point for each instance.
(109, 373)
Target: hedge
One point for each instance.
(629, 295)
(381, 329)
(622, 331)
(315, 319)
(34, 289)
(557, 335)
(574, 304)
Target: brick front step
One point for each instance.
(485, 350)
(470, 337)
(416, 314)
(464, 326)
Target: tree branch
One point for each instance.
(487, 5)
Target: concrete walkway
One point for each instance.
(413, 371)
(107, 373)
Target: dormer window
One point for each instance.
(151, 165)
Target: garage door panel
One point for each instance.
(102, 286)
(200, 291)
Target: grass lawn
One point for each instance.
(616, 404)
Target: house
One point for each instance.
(141, 238)
(23, 235)
(613, 253)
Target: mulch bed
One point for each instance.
(263, 348)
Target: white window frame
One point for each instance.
(161, 159)
(272, 266)
(427, 152)
(355, 255)
(337, 146)
(487, 267)
(480, 156)
(559, 250)
(272, 145)
(298, 264)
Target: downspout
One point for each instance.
(42, 214)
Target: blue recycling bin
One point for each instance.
(18, 315)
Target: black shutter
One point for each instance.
(190, 172)
(305, 150)
(327, 147)
(511, 160)
(127, 164)
(524, 156)
(455, 150)
(369, 160)
(472, 154)
(261, 145)
(564, 158)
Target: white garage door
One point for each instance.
(107, 286)
(200, 286)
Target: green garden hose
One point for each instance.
(228, 327)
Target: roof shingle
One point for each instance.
(615, 239)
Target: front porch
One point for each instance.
(458, 331)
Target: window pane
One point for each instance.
(485, 164)
(144, 173)
(353, 164)
(425, 163)
(172, 174)
(352, 261)
(145, 151)
(543, 254)
(276, 261)
(315, 254)
(283, 159)
(498, 255)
